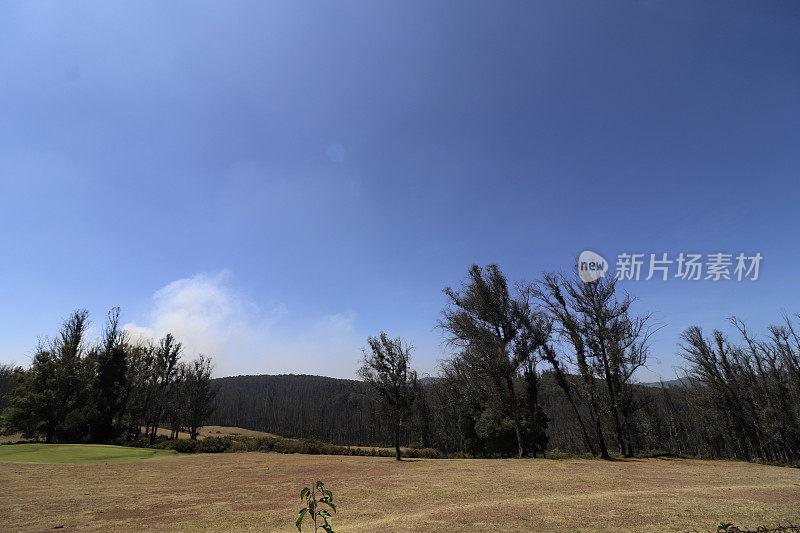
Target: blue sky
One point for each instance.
(275, 181)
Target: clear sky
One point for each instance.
(274, 181)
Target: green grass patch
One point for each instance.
(76, 453)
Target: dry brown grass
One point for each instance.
(205, 431)
(217, 431)
(259, 492)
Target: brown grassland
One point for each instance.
(260, 492)
(218, 431)
(205, 431)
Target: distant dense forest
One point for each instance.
(341, 411)
(534, 367)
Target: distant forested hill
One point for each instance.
(330, 409)
(339, 411)
(671, 383)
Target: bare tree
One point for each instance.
(387, 372)
(163, 377)
(608, 344)
(747, 391)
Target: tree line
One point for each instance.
(76, 390)
(746, 392)
(737, 400)
(503, 337)
(535, 367)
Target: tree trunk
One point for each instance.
(627, 429)
(585, 433)
(618, 431)
(601, 439)
(515, 415)
(154, 426)
(397, 440)
(590, 392)
(598, 426)
(564, 384)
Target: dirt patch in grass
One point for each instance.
(217, 431)
(257, 491)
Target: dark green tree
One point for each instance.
(7, 383)
(481, 321)
(32, 404)
(109, 382)
(49, 399)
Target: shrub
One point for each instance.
(424, 453)
(652, 454)
(214, 444)
(238, 446)
(273, 444)
(181, 446)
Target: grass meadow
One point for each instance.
(76, 453)
(259, 492)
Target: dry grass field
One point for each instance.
(259, 492)
(205, 431)
(218, 431)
